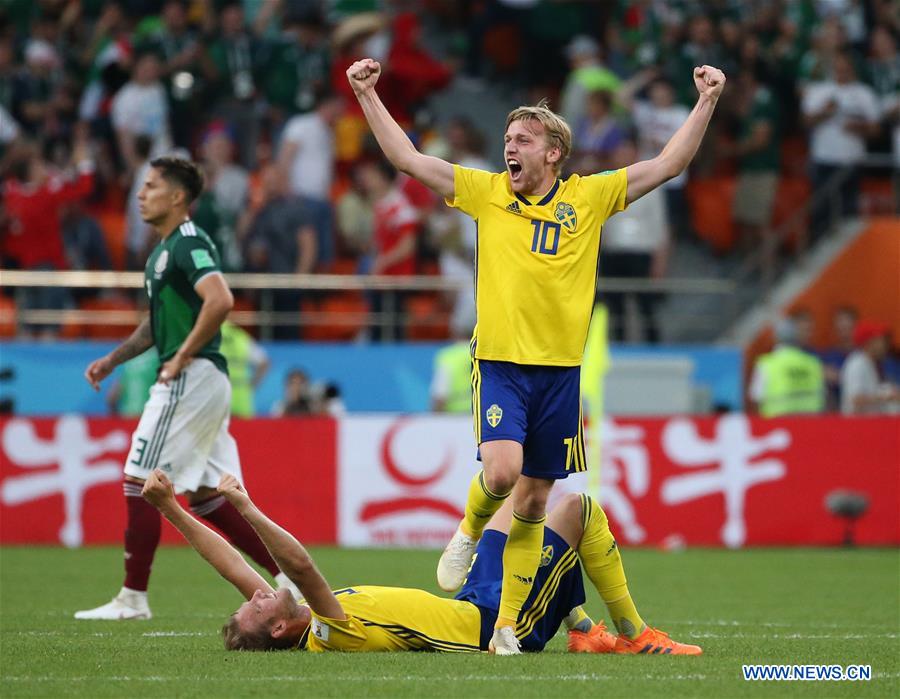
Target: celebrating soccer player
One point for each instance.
(184, 426)
(535, 267)
(371, 618)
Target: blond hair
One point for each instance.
(556, 130)
(259, 638)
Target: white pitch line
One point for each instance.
(758, 624)
(762, 624)
(589, 677)
(58, 633)
(791, 636)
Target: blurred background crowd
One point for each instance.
(255, 91)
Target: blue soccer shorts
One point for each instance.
(537, 406)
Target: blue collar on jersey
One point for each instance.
(547, 198)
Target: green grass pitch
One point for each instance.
(757, 606)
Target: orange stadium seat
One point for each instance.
(242, 305)
(791, 194)
(7, 317)
(876, 196)
(343, 303)
(711, 200)
(426, 318)
(112, 223)
(109, 331)
(343, 265)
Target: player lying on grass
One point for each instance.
(372, 618)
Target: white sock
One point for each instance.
(128, 592)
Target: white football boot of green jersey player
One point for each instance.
(128, 604)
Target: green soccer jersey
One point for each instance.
(173, 269)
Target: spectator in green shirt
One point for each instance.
(296, 65)
(233, 71)
(758, 157)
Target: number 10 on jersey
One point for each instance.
(541, 240)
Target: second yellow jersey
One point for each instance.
(536, 262)
(396, 619)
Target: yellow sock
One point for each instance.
(578, 620)
(481, 504)
(602, 562)
(521, 558)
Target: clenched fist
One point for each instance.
(363, 75)
(231, 489)
(709, 81)
(158, 490)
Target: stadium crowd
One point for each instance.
(91, 90)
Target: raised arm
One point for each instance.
(221, 555)
(681, 148)
(289, 554)
(434, 173)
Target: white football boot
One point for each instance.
(128, 604)
(455, 562)
(504, 642)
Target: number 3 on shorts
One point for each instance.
(139, 451)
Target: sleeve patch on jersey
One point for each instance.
(202, 259)
(320, 630)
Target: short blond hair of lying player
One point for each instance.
(375, 618)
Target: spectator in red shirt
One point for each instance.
(33, 198)
(395, 229)
(416, 75)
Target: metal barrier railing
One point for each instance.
(266, 284)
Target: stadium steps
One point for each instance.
(798, 277)
(694, 317)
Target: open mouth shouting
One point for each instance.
(515, 169)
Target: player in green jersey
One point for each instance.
(183, 429)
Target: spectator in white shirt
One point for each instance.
(141, 108)
(306, 160)
(863, 391)
(635, 244)
(458, 234)
(842, 114)
(656, 120)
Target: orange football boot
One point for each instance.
(654, 642)
(597, 640)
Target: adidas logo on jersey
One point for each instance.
(514, 208)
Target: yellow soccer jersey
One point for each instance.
(536, 262)
(396, 618)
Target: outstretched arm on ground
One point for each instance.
(647, 175)
(158, 491)
(289, 554)
(434, 173)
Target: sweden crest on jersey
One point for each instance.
(494, 415)
(546, 555)
(565, 214)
